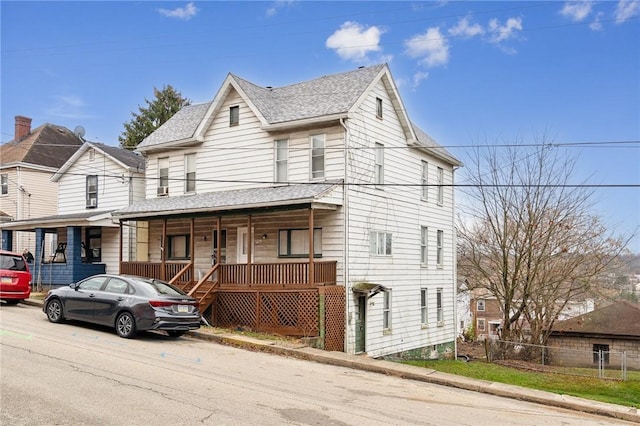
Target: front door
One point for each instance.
(243, 245)
(361, 322)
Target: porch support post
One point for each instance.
(219, 242)
(249, 246)
(311, 278)
(121, 242)
(163, 252)
(192, 246)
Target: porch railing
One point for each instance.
(296, 273)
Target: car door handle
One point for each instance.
(92, 295)
(120, 299)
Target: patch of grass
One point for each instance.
(625, 393)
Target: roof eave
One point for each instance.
(164, 146)
(304, 122)
(434, 151)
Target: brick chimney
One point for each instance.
(23, 127)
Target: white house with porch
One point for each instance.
(317, 209)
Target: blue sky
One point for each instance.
(468, 72)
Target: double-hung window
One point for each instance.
(282, 160)
(379, 166)
(439, 309)
(378, 107)
(424, 181)
(163, 176)
(386, 310)
(439, 247)
(440, 186)
(424, 319)
(317, 156)
(380, 243)
(295, 242)
(4, 184)
(424, 235)
(480, 305)
(189, 173)
(92, 192)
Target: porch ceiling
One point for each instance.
(90, 218)
(308, 194)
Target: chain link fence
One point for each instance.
(600, 363)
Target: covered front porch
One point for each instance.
(267, 268)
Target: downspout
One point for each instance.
(345, 243)
(455, 264)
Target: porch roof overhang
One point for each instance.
(85, 219)
(307, 195)
(370, 289)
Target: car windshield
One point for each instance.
(12, 262)
(160, 287)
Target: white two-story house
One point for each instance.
(82, 239)
(315, 209)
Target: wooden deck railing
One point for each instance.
(294, 273)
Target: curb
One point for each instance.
(362, 362)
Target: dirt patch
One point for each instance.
(474, 350)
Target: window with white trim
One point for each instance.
(379, 166)
(439, 247)
(234, 115)
(386, 310)
(92, 154)
(317, 156)
(190, 173)
(295, 242)
(92, 192)
(380, 243)
(439, 308)
(163, 175)
(424, 181)
(378, 107)
(282, 160)
(480, 305)
(424, 319)
(440, 186)
(424, 235)
(4, 184)
(481, 324)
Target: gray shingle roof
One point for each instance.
(181, 126)
(619, 319)
(48, 145)
(227, 200)
(125, 156)
(425, 140)
(328, 95)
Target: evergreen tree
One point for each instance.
(167, 102)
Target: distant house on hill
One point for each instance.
(27, 163)
(612, 331)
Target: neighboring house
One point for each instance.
(82, 239)
(315, 209)
(463, 307)
(609, 331)
(27, 163)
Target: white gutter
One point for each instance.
(305, 122)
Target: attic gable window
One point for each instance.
(92, 192)
(378, 107)
(92, 154)
(234, 115)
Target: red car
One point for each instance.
(15, 278)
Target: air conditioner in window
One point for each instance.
(163, 190)
(93, 202)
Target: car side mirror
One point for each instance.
(74, 286)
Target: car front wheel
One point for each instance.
(54, 310)
(126, 325)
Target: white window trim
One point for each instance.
(424, 245)
(424, 307)
(379, 164)
(312, 139)
(478, 305)
(160, 168)
(481, 321)
(187, 171)
(440, 187)
(379, 108)
(424, 180)
(386, 311)
(4, 184)
(374, 240)
(278, 161)
(440, 248)
(440, 307)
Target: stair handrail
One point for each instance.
(181, 273)
(204, 278)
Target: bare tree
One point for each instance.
(529, 237)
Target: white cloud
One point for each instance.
(576, 10)
(68, 106)
(464, 29)
(432, 47)
(500, 33)
(418, 77)
(626, 9)
(354, 41)
(596, 25)
(277, 5)
(184, 13)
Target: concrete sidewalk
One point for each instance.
(362, 362)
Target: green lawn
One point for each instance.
(612, 391)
